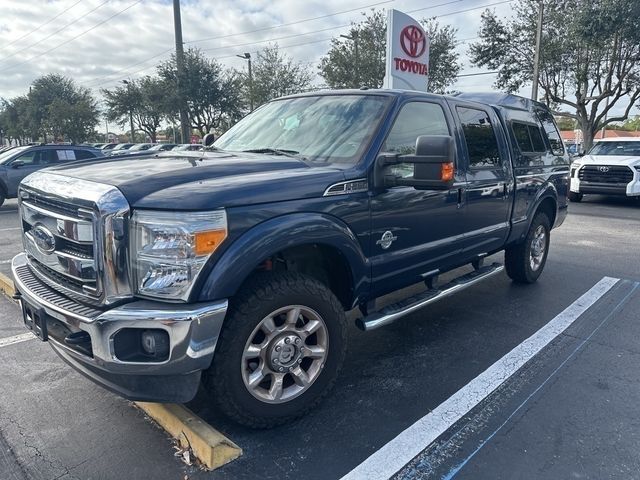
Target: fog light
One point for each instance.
(155, 343)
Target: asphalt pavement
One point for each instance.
(569, 412)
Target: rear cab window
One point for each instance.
(480, 138)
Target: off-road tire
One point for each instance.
(518, 257)
(575, 197)
(263, 294)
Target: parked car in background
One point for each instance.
(108, 146)
(98, 145)
(612, 167)
(188, 147)
(163, 147)
(120, 148)
(140, 147)
(18, 162)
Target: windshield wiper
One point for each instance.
(274, 151)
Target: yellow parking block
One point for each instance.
(211, 447)
(6, 285)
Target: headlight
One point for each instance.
(168, 249)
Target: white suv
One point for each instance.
(612, 167)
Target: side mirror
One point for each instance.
(17, 164)
(208, 139)
(433, 164)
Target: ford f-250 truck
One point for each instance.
(236, 265)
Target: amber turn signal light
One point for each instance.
(207, 242)
(446, 172)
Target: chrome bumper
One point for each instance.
(193, 332)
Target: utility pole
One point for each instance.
(133, 131)
(247, 56)
(354, 37)
(177, 24)
(536, 57)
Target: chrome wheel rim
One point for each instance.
(538, 248)
(285, 354)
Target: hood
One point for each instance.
(625, 160)
(206, 180)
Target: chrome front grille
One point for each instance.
(75, 237)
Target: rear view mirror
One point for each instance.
(17, 164)
(208, 139)
(433, 164)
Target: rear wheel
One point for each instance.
(279, 352)
(575, 197)
(525, 261)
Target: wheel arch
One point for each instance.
(309, 241)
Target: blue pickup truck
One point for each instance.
(233, 267)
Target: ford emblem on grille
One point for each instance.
(44, 239)
(603, 169)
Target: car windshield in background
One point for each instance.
(616, 148)
(10, 153)
(322, 128)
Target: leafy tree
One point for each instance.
(275, 75)
(145, 100)
(212, 95)
(361, 61)
(57, 107)
(565, 123)
(589, 59)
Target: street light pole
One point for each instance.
(133, 131)
(354, 37)
(536, 57)
(177, 25)
(247, 56)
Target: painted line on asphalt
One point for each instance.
(23, 337)
(10, 228)
(6, 285)
(393, 456)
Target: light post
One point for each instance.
(247, 56)
(354, 38)
(133, 132)
(536, 57)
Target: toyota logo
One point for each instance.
(413, 41)
(44, 239)
(603, 169)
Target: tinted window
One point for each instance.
(84, 154)
(482, 145)
(528, 137)
(536, 139)
(29, 158)
(557, 147)
(415, 119)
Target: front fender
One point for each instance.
(272, 236)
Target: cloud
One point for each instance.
(122, 47)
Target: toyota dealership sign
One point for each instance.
(407, 53)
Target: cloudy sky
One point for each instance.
(99, 43)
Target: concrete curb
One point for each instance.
(211, 447)
(6, 286)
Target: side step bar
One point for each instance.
(391, 313)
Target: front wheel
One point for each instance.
(279, 352)
(525, 261)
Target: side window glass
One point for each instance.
(521, 133)
(536, 139)
(551, 131)
(29, 158)
(479, 137)
(65, 155)
(83, 154)
(415, 119)
(47, 157)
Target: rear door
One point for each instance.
(489, 178)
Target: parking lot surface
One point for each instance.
(569, 412)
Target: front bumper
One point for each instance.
(192, 329)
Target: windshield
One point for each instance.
(4, 157)
(616, 148)
(327, 128)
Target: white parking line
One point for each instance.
(23, 337)
(10, 228)
(401, 450)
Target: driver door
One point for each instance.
(415, 231)
(32, 160)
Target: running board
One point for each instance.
(391, 313)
